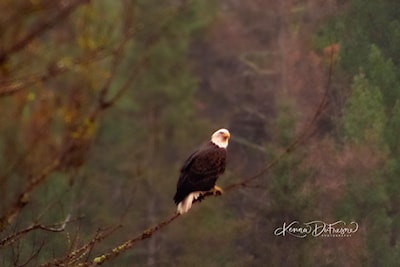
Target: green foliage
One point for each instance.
(284, 196)
(364, 117)
(121, 159)
(393, 128)
(130, 158)
(370, 25)
(285, 121)
(384, 74)
(328, 33)
(370, 119)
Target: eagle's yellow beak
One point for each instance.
(226, 135)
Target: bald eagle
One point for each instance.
(201, 170)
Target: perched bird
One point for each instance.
(201, 170)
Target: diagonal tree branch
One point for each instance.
(39, 29)
(23, 198)
(55, 69)
(129, 243)
(151, 41)
(80, 252)
(302, 138)
(56, 227)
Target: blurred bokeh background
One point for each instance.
(101, 102)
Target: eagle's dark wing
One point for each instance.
(201, 170)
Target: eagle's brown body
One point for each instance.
(200, 171)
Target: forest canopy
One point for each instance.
(102, 102)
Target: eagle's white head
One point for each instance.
(221, 137)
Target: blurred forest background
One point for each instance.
(102, 101)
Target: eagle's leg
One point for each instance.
(217, 190)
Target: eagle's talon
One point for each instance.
(217, 191)
(200, 197)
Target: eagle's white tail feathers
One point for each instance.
(186, 204)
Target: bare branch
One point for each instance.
(79, 253)
(128, 244)
(127, 33)
(308, 131)
(150, 42)
(34, 254)
(40, 28)
(57, 227)
(56, 68)
(23, 198)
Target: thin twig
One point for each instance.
(56, 68)
(129, 243)
(39, 29)
(56, 227)
(23, 198)
(80, 252)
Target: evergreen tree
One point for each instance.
(369, 121)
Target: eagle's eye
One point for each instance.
(223, 135)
